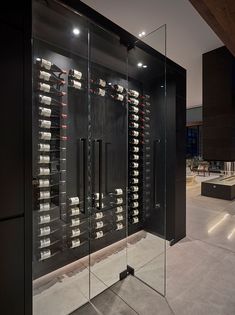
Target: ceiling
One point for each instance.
(188, 35)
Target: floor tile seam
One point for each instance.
(211, 244)
(170, 307)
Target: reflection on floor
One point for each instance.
(66, 289)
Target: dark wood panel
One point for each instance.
(12, 267)
(220, 15)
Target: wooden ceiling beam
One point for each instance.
(220, 16)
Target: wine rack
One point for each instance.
(50, 160)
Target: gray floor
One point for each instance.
(200, 269)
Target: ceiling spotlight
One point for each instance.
(162, 86)
(140, 34)
(139, 64)
(144, 66)
(76, 31)
(109, 83)
(143, 33)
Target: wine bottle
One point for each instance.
(75, 84)
(147, 111)
(119, 201)
(99, 91)
(135, 212)
(75, 222)
(48, 65)
(147, 118)
(134, 197)
(134, 157)
(133, 124)
(118, 191)
(119, 217)
(44, 194)
(133, 141)
(43, 147)
(49, 77)
(99, 215)
(134, 164)
(99, 234)
(75, 232)
(134, 188)
(75, 243)
(133, 101)
(44, 218)
(133, 93)
(134, 109)
(44, 159)
(119, 226)
(135, 220)
(47, 124)
(74, 211)
(99, 224)
(134, 133)
(45, 242)
(119, 88)
(76, 74)
(134, 204)
(135, 149)
(134, 180)
(45, 254)
(45, 206)
(147, 104)
(42, 183)
(97, 196)
(99, 82)
(49, 89)
(134, 117)
(46, 230)
(44, 171)
(73, 201)
(135, 173)
(118, 97)
(119, 209)
(47, 100)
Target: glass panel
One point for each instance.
(147, 111)
(108, 85)
(60, 133)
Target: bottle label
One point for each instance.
(119, 226)
(45, 124)
(119, 217)
(119, 209)
(97, 196)
(135, 204)
(74, 201)
(134, 188)
(135, 212)
(134, 93)
(45, 242)
(102, 83)
(44, 75)
(45, 194)
(135, 220)
(134, 196)
(119, 88)
(99, 224)
(118, 191)
(99, 234)
(45, 112)
(46, 64)
(45, 135)
(45, 230)
(135, 109)
(45, 254)
(120, 97)
(134, 101)
(44, 183)
(44, 87)
(45, 206)
(76, 243)
(77, 74)
(135, 157)
(135, 180)
(76, 84)
(75, 222)
(135, 149)
(44, 159)
(101, 92)
(45, 99)
(44, 147)
(76, 232)
(99, 215)
(119, 201)
(44, 171)
(75, 211)
(45, 218)
(135, 165)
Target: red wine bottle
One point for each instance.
(50, 77)
(48, 65)
(119, 88)
(49, 89)
(99, 82)
(75, 84)
(133, 124)
(76, 74)
(47, 100)
(133, 93)
(133, 101)
(98, 91)
(134, 117)
(118, 97)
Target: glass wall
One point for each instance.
(98, 160)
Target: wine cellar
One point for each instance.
(104, 112)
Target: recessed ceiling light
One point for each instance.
(140, 34)
(76, 31)
(144, 66)
(162, 86)
(143, 33)
(139, 64)
(109, 83)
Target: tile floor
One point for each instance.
(200, 268)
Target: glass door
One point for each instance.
(146, 250)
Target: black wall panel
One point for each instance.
(219, 105)
(12, 267)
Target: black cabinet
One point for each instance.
(12, 267)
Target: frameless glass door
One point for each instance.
(146, 250)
